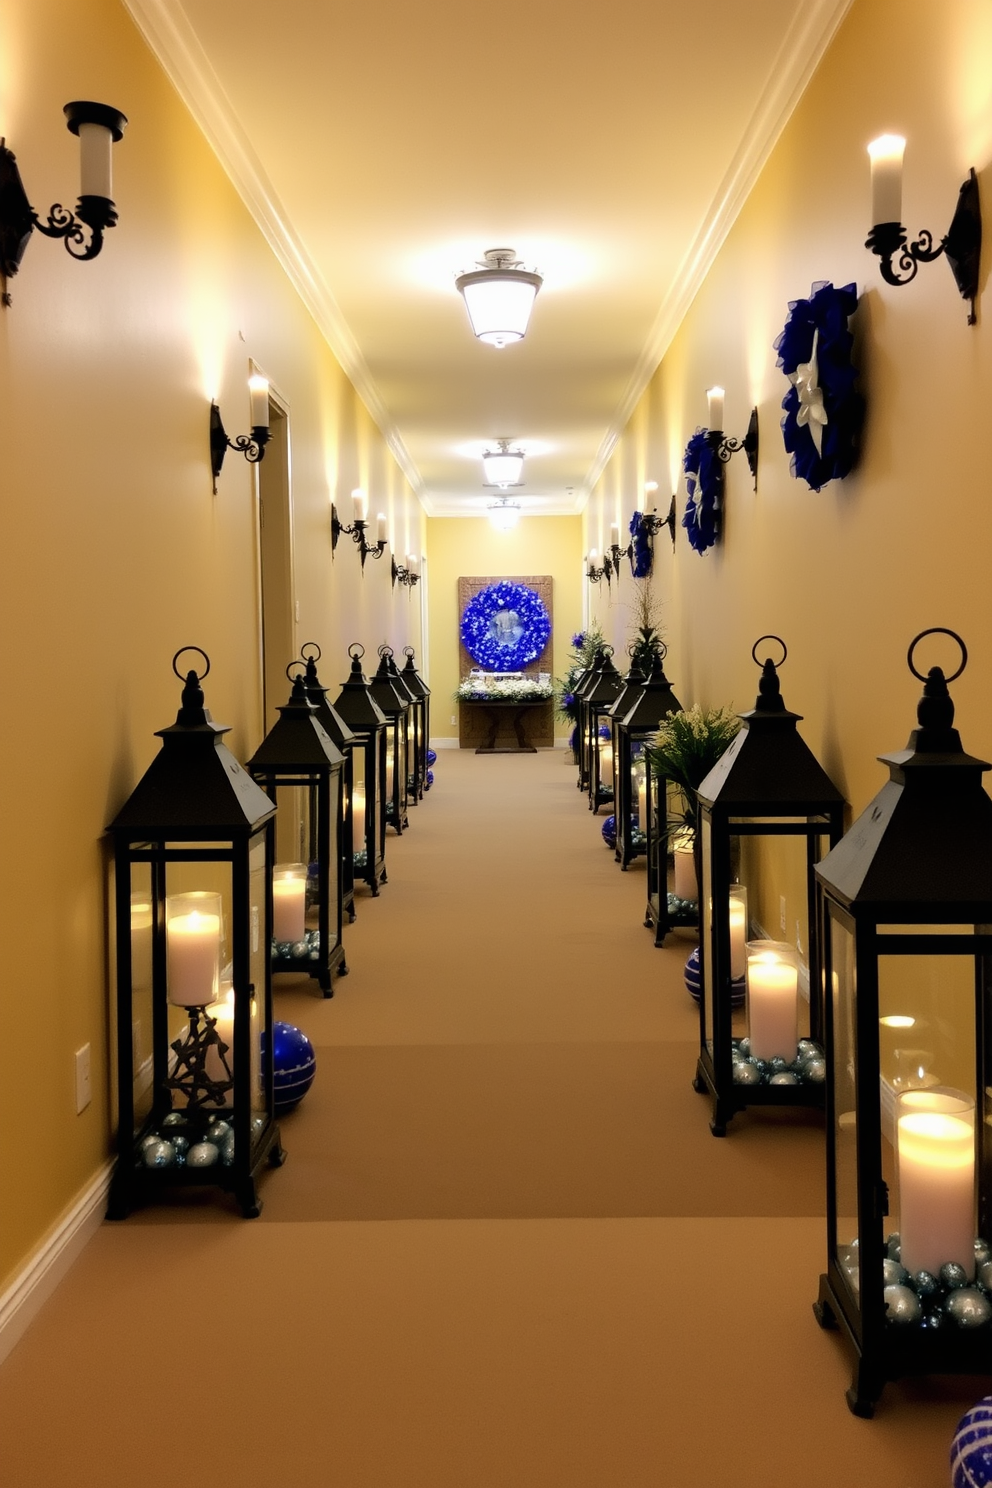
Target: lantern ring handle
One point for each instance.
(607, 650)
(754, 650)
(293, 675)
(409, 651)
(937, 630)
(200, 652)
(662, 650)
(356, 649)
(313, 648)
(385, 649)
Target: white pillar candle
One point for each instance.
(885, 154)
(96, 144)
(360, 504)
(380, 527)
(614, 534)
(606, 764)
(642, 805)
(258, 392)
(289, 897)
(936, 1161)
(772, 1000)
(413, 563)
(141, 941)
(737, 913)
(390, 767)
(685, 873)
(714, 408)
(358, 817)
(193, 948)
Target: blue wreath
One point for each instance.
(640, 547)
(828, 311)
(704, 490)
(512, 648)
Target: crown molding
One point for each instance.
(172, 40)
(813, 28)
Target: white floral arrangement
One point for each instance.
(482, 688)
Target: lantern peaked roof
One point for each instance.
(297, 740)
(328, 716)
(194, 787)
(355, 702)
(925, 841)
(630, 687)
(656, 699)
(388, 672)
(412, 677)
(606, 682)
(768, 768)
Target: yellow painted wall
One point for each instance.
(115, 552)
(848, 576)
(469, 546)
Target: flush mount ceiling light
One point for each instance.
(499, 296)
(503, 467)
(504, 514)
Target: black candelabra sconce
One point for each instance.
(408, 574)
(98, 128)
(900, 259)
(358, 529)
(725, 446)
(596, 572)
(252, 445)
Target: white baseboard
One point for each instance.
(23, 1299)
(445, 744)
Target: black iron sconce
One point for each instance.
(724, 445)
(595, 573)
(98, 128)
(405, 575)
(358, 529)
(651, 525)
(252, 445)
(900, 259)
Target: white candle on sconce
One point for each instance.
(935, 1144)
(192, 936)
(413, 563)
(289, 896)
(380, 527)
(772, 999)
(714, 408)
(96, 144)
(258, 393)
(737, 914)
(360, 504)
(614, 534)
(885, 154)
(358, 817)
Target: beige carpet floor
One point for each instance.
(505, 1251)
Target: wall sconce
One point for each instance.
(358, 528)
(651, 525)
(725, 446)
(98, 128)
(594, 572)
(409, 575)
(252, 445)
(899, 259)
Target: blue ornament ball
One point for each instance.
(294, 1065)
(971, 1449)
(610, 831)
(432, 756)
(694, 975)
(430, 779)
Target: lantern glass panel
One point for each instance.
(142, 921)
(257, 964)
(843, 995)
(706, 934)
(361, 809)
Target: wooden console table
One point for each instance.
(509, 714)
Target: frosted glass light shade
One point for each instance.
(504, 515)
(499, 297)
(504, 468)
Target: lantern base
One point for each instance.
(303, 958)
(729, 1097)
(136, 1181)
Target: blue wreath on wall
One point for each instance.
(505, 626)
(640, 547)
(704, 490)
(824, 412)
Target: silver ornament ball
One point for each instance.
(893, 1274)
(969, 1307)
(202, 1155)
(746, 1073)
(903, 1305)
(783, 1077)
(159, 1155)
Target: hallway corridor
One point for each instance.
(505, 1251)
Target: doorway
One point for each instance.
(277, 626)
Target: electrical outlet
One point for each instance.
(84, 1093)
(781, 914)
(454, 718)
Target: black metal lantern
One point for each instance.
(344, 738)
(365, 718)
(193, 852)
(767, 810)
(582, 686)
(394, 701)
(419, 725)
(906, 905)
(654, 701)
(597, 701)
(300, 767)
(404, 690)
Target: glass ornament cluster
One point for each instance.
(184, 1142)
(307, 949)
(505, 627)
(930, 1302)
(808, 1067)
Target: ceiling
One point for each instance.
(384, 146)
